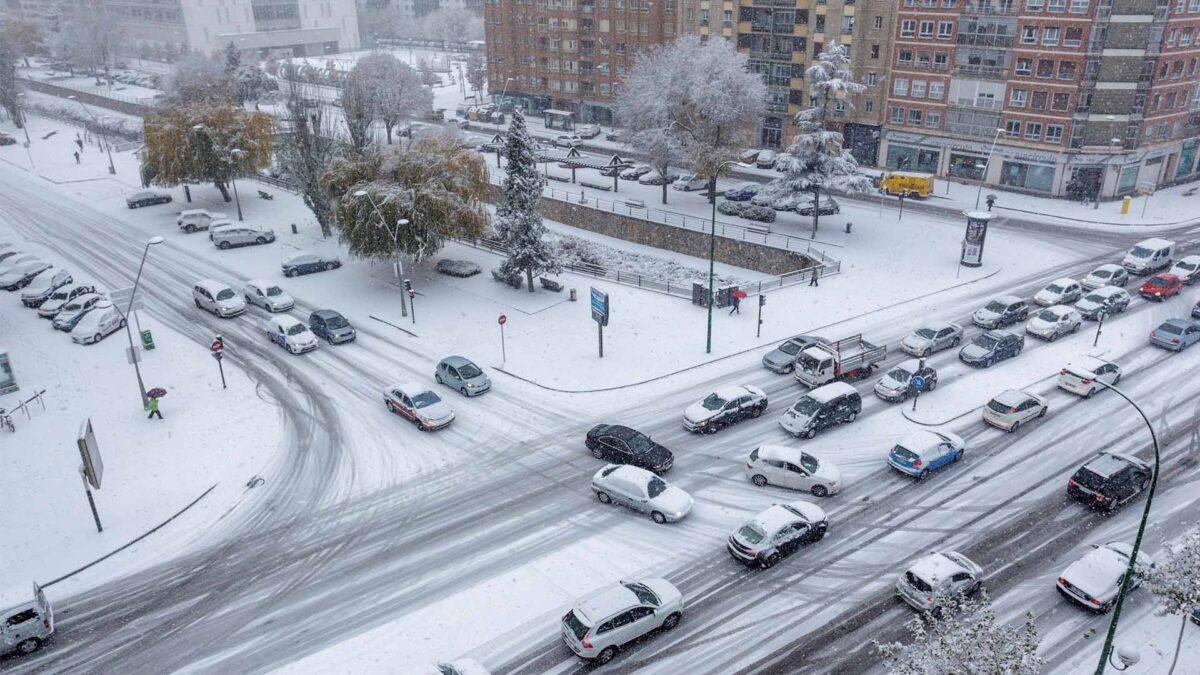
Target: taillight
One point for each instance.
(1093, 601)
(1174, 341)
(1063, 371)
(1099, 498)
(1013, 409)
(1086, 381)
(1071, 483)
(916, 462)
(749, 466)
(586, 644)
(929, 599)
(1062, 581)
(46, 624)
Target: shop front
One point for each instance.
(1187, 160)
(912, 158)
(1027, 176)
(968, 166)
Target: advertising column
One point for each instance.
(972, 245)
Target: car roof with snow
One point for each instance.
(1011, 397)
(1106, 464)
(780, 515)
(921, 441)
(908, 365)
(1086, 364)
(937, 325)
(1060, 310)
(997, 335)
(1109, 291)
(1061, 281)
(212, 285)
(1179, 323)
(936, 567)
(410, 389)
(456, 361)
(284, 321)
(780, 453)
(1109, 267)
(1099, 568)
(633, 474)
(71, 287)
(1189, 259)
(1008, 299)
(1156, 242)
(828, 392)
(606, 602)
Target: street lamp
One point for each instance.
(1100, 182)
(986, 167)
(503, 92)
(395, 234)
(25, 128)
(712, 242)
(1124, 653)
(129, 309)
(112, 168)
(1113, 143)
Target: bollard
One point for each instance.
(573, 296)
(848, 226)
(1125, 204)
(294, 230)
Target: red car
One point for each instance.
(1161, 287)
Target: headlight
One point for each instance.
(470, 385)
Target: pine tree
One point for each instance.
(815, 160)
(517, 219)
(1175, 580)
(233, 59)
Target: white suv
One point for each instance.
(192, 220)
(290, 333)
(267, 295)
(600, 623)
(228, 235)
(217, 298)
(938, 575)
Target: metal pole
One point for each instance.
(1137, 542)
(986, 167)
(221, 368)
(412, 298)
(600, 327)
(233, 179)
(91, 502)
(129, 333)
(712, 252)
(1099, 325)
(395, 242)
(758, 333)
(503, 351)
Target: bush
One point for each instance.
(458, 268)
(764, 214)
(514, 279)
(731, 208)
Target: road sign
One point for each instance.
(218, 355)
(600, 308)
(573, 153)
(120, 297)
(502, 320)
(917, 382)
(89, 451)
(217, 344)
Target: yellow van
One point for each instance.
(909, 183)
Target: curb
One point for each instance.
(770, 344)
(110, 554)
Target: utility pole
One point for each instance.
(762, 300)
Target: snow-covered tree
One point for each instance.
(691, 102)
(198, 79)
(965, 639)
(233, 59)
(394, 90)
(476, 71)
(1175, 581)
(518, 222)
(251, 83)
(437, 185)
(9, 101)
(87, 37)
(815, 161)
(306, 147)
(358, 111)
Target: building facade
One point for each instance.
(1081, 97)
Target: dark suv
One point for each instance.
(992, 346)
(623, 445)
(1109, 480)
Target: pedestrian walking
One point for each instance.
(812, 281)
(737, 305)
(76, 157)
(152, 406)
(79, 142)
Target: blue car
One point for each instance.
(1175, 334)
(926, 451)
(307, 263)
(742, 193)
(1196, 311)
(459, 373)
(331, 326)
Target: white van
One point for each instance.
(197, 219)
(1149, 256)
(25, 620)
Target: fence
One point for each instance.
(104, 92)
(24, 405)
(85, 124)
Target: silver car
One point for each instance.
(933, 336)
(25, 620)
(1105, 275)
(228, 236)
(1054, 322)
(74, 310)
(782, 359)
(462, 374)
(938, 575)
(642, 491)
(267, 295)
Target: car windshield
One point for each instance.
(900, 375)
(225, 294)
(469, 370)
(1102, 274)
(644, 594)
(1096, 298)
(791, 348)
(917, 582)
(809, 463)
(638, 443)
(1088, 479)
(1140, 252)
(996, 306)
(61, 295)
(986, 341)
(575, 625)
(750, 534)
(337, 321)
(1054, 288)
(1048, 315)
(926, 333)
(296, 329)
(713, 402)
(1170, 328)
(1184, 265)
(656, 487)
(807, 406)
(274, 290)
(904, 453)
(1158, 282)
(425, 399)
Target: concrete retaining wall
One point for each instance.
(90, 99)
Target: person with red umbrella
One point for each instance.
(737, 296)
(152, 404)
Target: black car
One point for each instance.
(1196, 616)
(140, 199)
(1109, 480)
(992, 346)
(623, 445)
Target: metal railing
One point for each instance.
(103, 92)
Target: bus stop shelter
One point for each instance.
(563, 120)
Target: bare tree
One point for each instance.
(476, 72)
(307, 146)
(394, 90)
(358, 108)
(88, 36)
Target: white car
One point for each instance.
(43, 286)
(690, 183)
(61, 296)
(268, 295)
(724, 407)
(777, 532)
(1081, 377)
(601, 622)
(1107, 300)
(765, 159)
(568, 141)
(213, 296)
(290, 333)
(1187, 269)
(1095, 579)
(74, 311)
(932, 336)
(103, 320)
(793, 468)
(419, 405)
(587, 130)
(1105, 275)
(1059, 292)
(936, 576)
(1008, 409)
(11, 262)
(19, 276)
(642, 491)
(1054, 322)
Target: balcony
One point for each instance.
(985, 40)
(983, 72)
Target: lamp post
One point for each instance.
(129, 309)
(712, 244)
(987, 167)
(1100, 182)
(395, 235)
(25, 128)
(1106, 653)
(1113, 143)
(112, 168)
(503, 93)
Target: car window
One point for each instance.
(638, 444)
(986, 342)
(225, 294)
(961, 576)
(917, 582)
(469, 370)
(656, 487)
(713, 402)
(641, 612)
(791, 348)
(904, 453)
(296, 329)
(605, 627)
(1170, 328)
(274, 291)
(21, 617)
(425, 399)
(643, 593)
(751, 534)
(1102, 274)
(996, 306)
(623, 619)
(1054, 288)
(900, 375)
(793, 468)
(809, 462)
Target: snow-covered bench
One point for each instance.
(550, 284)
(635, 203)
(557, 177)
(596, 186)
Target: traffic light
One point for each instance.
(762, 300)
(408, 284)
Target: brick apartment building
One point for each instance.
(1097, 92)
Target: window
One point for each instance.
(1191, 67)
(897, 115)
(1060, 102)
(940, 60)
(1162, 131)
(936, 90)
(1050, 36)
(1077, 7)
(1066, 70)
(1073, 37)
(1193, 6)
(904, 57)
(1045, 68)
(1018, 97)
(874, 51)
(1033, 131)
(1034, 5)
(1170, 101)
(918, 88)
(1177, 70)
(1057, 6)
(1155, 102)
(933, 119)
(915, 117)
(1012, 129)
(900, 87)
(923, 60)
(1029, 35)
(1171, 37)
(1024, 67)
(878, 23)
(926, 29)
(945, 30)
(1185, 38)
(1038, 100)
(871, 79)
(870, 106)
(819, 26)
(908, 28)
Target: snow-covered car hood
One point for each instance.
(281, 300)
(829, 472)
(1097, 572)
(1046, 297)
(1086, 305)
(974, 351)
(778, 357)
(88, 325)
(231, 303)
(435, 412)
(13, 276)
(916, 342)
(696, 412)
(1039, 325)
(303, 339)
(985, 315)
(52, 305)
(667, 593)
(674, 501)
(892, 384)
(1095, 281)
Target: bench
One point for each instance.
(263, 194)
(550, 284)
(635, 203)
(755, 227)
(596, 186)
(561, 179)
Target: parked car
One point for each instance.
(782, 359)
(783, 161)
(1008, 409)
(932, 336)
(1149, 256)
(600, 623)
(267, 295)
(623, 445)
(897, 383)
(1094, 580)
(937, 576)
(19, 276)
(793, 468)
(1110, 479)
(779, 202)
(16, 260)
(103, 320)
(748, 156)
(148, 198)
(5, 139)
(614, 136)
(725, 407)
(1054, 322)
(1187, 269)
(1107, 300)
(1059, 292)
(61, 296)
(923, 451)
(1196, 310)
(690, 183)
(821, 408)
(1105, 275)
(742, 193)
(641, 490)
(828, 205)
(1082, 376)
(7, 252)
(419, 405)
(307, 263)
(765, 159)
(1175, 334)
(331, 326)
(290, 333)
(73, 311)
(777, 532)
(1000, 312)
(25, 621)
(568, 141)
(636, 172)
(992, 346)
(193, 220)
(462, 374)
(228, 236)
(218, 298)
(587, 130)
(1160, 287)
(43, 286)
(656, 178)
(763, 214)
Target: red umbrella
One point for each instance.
(157, 392)
(739, 293)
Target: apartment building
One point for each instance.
(1093, 93)
(570, 55)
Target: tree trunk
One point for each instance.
(664, 189)
(388, 126)
(529, 277)
(1178, 644)
(220, 185)
(816, 211)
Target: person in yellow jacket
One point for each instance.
(152, 406)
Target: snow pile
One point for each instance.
(458, 268)
(149, 81)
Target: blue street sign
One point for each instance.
(599, 306)
(917, 382)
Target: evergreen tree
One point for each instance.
(233, 59)
(517, 219)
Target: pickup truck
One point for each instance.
(824, 361)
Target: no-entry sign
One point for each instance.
(502, 320)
